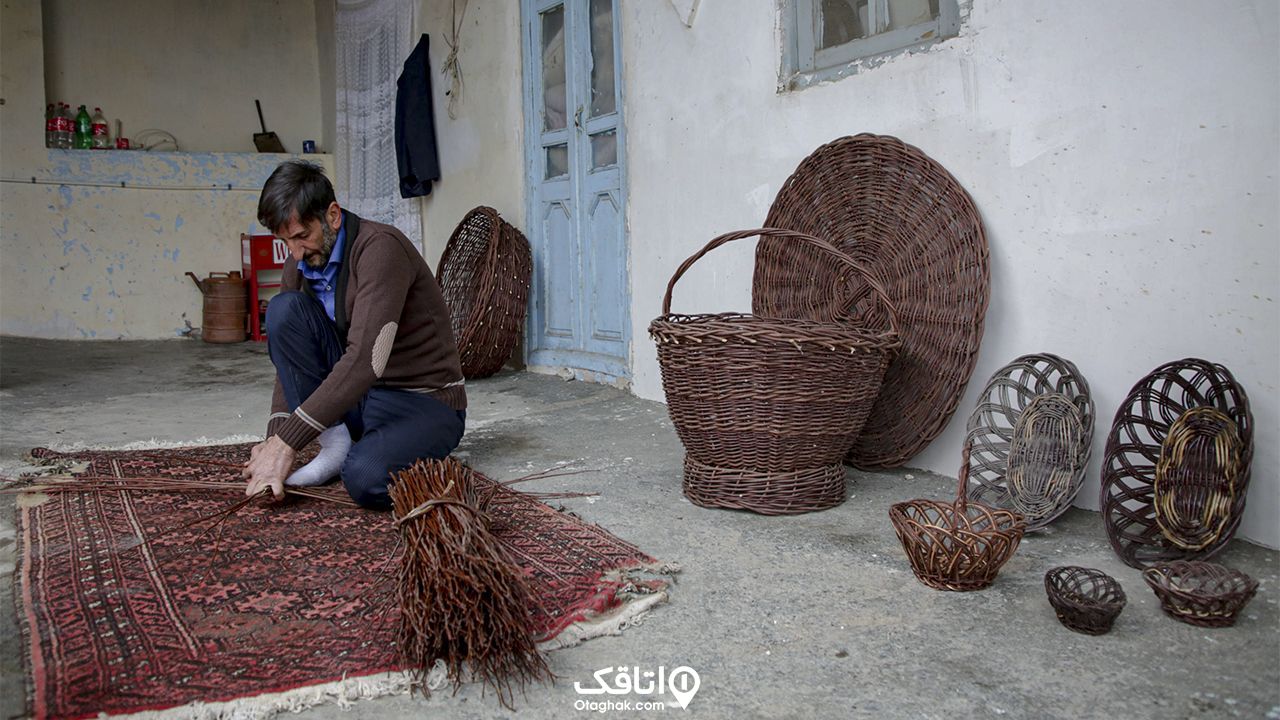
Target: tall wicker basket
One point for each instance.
(484, 274)
(767, 407)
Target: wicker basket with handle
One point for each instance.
(957, 545)
(767, 407)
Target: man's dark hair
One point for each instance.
(297, 186)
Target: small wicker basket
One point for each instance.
(1200, 593)
(1086, 600)
(960, 545)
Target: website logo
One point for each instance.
(681, 684)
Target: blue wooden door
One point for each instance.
(580, 309)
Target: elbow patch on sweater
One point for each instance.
(382, 348)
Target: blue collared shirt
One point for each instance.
(324, 282)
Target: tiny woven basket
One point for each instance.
(1200, 593)
(1177, 464)
(1085, 600)
(484, 275)
(960, 545)
(767, 407)
(1030, 436)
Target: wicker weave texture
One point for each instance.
(959, 545)
(907, 220)
(1030, 436)
(484, 274)
(1197, 478)
(1085, 600)
(766, 408)
(1174, 479)
(1200, 593)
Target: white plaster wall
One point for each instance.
(190, 68)
(83, 257)
(481, 151)
(1123, 156)
(87, 258)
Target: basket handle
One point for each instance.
(962, 493)
(819, 244)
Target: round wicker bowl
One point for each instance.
(1200, 593)
(959, 545)
(1085, 600)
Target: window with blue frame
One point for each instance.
(825, 39)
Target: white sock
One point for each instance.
(334, 445)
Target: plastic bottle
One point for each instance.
(83, 130)
(65, 124)
(100, 135)
(50, 127)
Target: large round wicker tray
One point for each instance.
(901, 215)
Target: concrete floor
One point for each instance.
(810, 616)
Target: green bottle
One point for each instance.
(84, 130)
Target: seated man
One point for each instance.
(362, 345)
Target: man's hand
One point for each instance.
(269, 464)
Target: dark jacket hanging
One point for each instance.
(415, 125)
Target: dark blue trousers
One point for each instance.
(392, 428)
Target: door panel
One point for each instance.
(605, 232)
(580, 309)
(561, 317)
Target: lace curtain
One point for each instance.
(373, 39)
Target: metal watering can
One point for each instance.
(225, 304)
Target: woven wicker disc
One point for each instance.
(1030, 436)
(905, 218)
(1200, 486)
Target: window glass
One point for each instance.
(553, 84)
(604, 149)
(557, 161)
(842, 21)
(602, 72)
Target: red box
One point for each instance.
(262, 259)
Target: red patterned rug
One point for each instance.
(283, 604)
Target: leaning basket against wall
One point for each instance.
(484, 274)
(907, 220)
(1177, 464)
(1030, 435)
(767, 407)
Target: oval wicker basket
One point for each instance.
(484, 274)
(1085, 600)
(1197, 477)
(959, 545)
(1030, 436)
(1173, 483)
(900, 214)
(1200, 593)
(767, 407)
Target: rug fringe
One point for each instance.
(28, 467)
(155, 444)
(343, 693)
(640, 600)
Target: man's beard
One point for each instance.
(329, 238)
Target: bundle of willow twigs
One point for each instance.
(462, 599)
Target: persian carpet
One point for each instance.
(120, 616)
